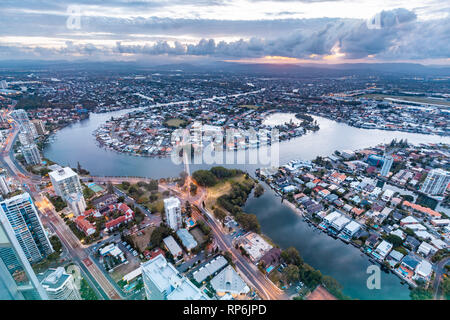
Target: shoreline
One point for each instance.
(236, 148)
(300, 213)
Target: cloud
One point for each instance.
(399, 35)
(393, 35)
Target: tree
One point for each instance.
(132, 190)
(204, 178)
(259, 190)
(310, 276)
(292, 273)
(125, 185)
(159, 234)
(395, 240)
(220, 214)
(157, 206)
(407, 197)
(222, 173)
(227, 255)
(420, 293)
(445, 286)
(188, 208)
(182, 180)
(292, 256)
(193, 188)
(249, 222)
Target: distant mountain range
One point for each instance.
(277, 70)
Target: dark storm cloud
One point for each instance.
(399, 35)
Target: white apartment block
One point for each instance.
(172, 208)
(65, 182)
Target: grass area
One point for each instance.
(220, 189)
(175, 123)
(198, 234)
(408, 98)
(150, 199)
(57, 202)
(87, 293)
(248, 106)
(142, 238)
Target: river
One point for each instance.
(332, 257)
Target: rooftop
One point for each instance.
(172, 245)
(229, 281)
(167, 279)
(53, 279)
(62, 174)
(187, 239)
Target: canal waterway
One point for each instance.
(76, 143)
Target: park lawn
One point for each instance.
(175, 122)
(220, 189)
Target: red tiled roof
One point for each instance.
(83, 224)
(421, 209)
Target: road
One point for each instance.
(439, 270)
(51, 219)
(78, 253)
(86, 275)
(265, 288)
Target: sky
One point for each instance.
(260, 31)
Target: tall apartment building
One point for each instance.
(39, 126)
(17, 279)
(25, 138)
(4, 188)
(20, 115)
(65, 182)
(59, 285)
(29, 231)
(163, 282)
(24, 122)
(172, 208)
(436, 182)
(31, 154)
(388, 161)
(3, 133)
(77, 203)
